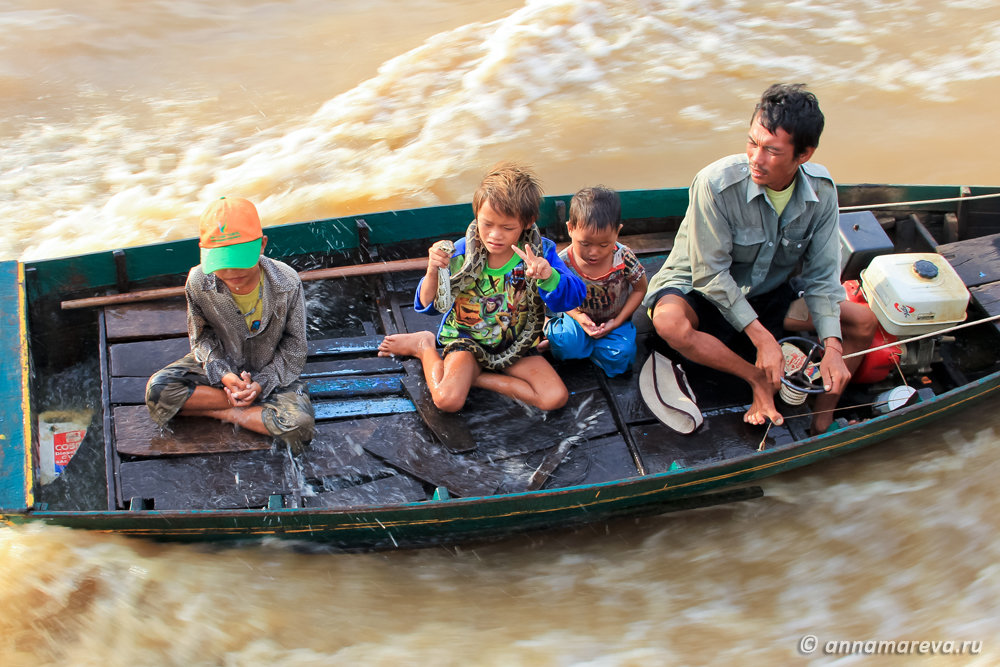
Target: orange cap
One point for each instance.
(231, 236)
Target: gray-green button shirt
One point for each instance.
(275, 354)
(732, 244)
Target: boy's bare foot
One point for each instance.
(762, 407)
(406, 345)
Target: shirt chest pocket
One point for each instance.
(791, 246)
(747, 242)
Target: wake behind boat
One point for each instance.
(386, 468)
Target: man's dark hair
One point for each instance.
(597, 208)
(795, 110)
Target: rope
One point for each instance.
(921, 337)
(948, 200)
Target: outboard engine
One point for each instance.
(911, 294)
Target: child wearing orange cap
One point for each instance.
(246, 323)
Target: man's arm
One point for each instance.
(710, 245)
(823, 291)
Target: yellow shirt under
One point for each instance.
(250, 305)
(779, 198)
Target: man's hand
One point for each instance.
(832, 367)
(769, 356)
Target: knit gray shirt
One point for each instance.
(275, 354)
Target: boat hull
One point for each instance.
(461, 520)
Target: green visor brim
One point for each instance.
(237, 256)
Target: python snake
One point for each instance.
(450, 286)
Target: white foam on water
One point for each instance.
(423, 129)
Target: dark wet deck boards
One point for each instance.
(136, 434)
(406, 443)
(977, 261)
(214, 481)
(379, 439)
(387, 491)
(146, 320)
(450, 429)
(336, 454)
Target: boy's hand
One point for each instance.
(598, 330)
(234, 382)
(587, 324)
(534, 267)
(438, 256)
(243, 391)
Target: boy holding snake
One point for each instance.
(492, 287)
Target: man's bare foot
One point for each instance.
(406, 345)
(762, 407)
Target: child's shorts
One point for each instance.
(613, 353)
(287, 414)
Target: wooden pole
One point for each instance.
(926, 335)
(394, 266)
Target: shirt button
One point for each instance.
(770, 243)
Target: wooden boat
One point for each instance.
(386, 469)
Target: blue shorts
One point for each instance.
(613, 353)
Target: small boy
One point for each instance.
(502, 276)
(246, 323)
(601, 328)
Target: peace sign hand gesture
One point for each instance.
(534, 266)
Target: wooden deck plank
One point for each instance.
(144, 358)
(592, 462)
(136, 434)
(361, 407)
(336, 452)
(723, 435)
(214, 481)
(132, 390)
(503, 428)
(393, 490)
(151, 319)
(977, 261)
(343, 346)
(358, 366)
(450, 429)
(362, 385)
(988, 298)
(128, 390)
(414, 321)
(406, 443)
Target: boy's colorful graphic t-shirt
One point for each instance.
(607, 294)
(493, 311)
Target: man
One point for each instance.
(751, 222)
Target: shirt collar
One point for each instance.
(804, 190)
